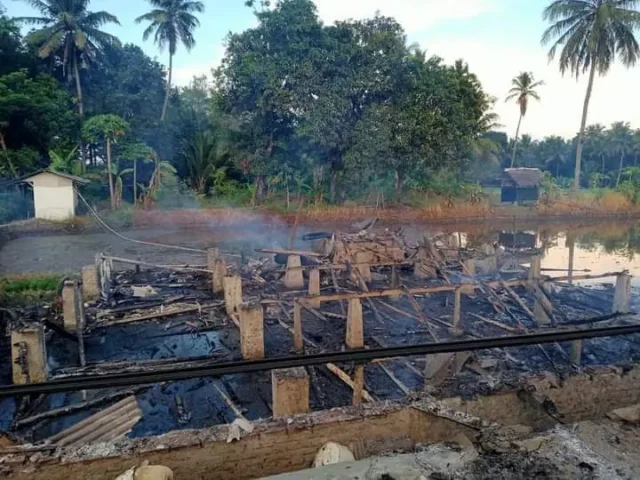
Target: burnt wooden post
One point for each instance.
(456, 330)
(358, 384)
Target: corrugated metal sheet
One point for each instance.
(105, 426)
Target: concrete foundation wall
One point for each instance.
(278, 446)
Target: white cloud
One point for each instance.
(413, 15)
(183, 74)
(560, 109)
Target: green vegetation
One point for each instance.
(344, 114)
(27, 289)
(591, 34)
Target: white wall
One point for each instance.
(53, 196)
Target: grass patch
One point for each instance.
(27, 289)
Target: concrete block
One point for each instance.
(354, 337)
(298, 338)
(90, 283)
(212, 255)
(290, 391)
(232, 293)
(576, 352)
(251, 331)
(28, 356)
(314, 286)
(293, 278)
(534, 268)
(219, 272)
(457, 331)
(358, 384)
(72, 303)
(622, 295)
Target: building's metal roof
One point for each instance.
(105, 426)
(73, 178)
(523, 177)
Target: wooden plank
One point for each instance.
(301, 253)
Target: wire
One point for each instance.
(128, 239)
(229, 368)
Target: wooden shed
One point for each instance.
(521, 184)
(54, 194)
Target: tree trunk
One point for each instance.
(260, 190)
(399, 185)
(76, 73)
(135, 182)
(109, 175)
(515, 142)
(3, 145)
(333, 185)
(318, 174)
(620, 170)
(583, 123)
(166, 96)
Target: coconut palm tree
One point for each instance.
(523, 89)
(635, 147)
(171, 22)
(591, 33)
(73, 32)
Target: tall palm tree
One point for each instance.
(524, 86)
(635, 147)
(591, 33)
(171, 22)
(73, 32)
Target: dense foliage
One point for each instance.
(347, 111)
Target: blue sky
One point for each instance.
(498, 38)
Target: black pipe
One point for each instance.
(229, 368)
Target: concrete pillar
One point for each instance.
(216, 265)
(290, 391)
(298, 338)
(72, 305)
(212, 255)
(576, 352)
(90, 282)
(232, 293)
(293, 278)
(456, 330)
(622, 295)
(534, 269)
(29, 356)
(355, 331)
(314, 286)
(358, 384)
(251, 331)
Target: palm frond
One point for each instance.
(98, 19)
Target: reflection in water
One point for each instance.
(599, 247)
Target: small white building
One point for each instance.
(54, 195)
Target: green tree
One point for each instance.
(620, 139)
(205, 157)
(635, 146)
(135, 152)
(13, 54)
(591, 34)
(171, 22)
(524, 88)
(107, 129)
(596, 141)
(36, 114)
(72, 32)
(554, 153)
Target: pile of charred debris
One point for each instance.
(339, 291)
